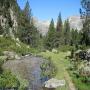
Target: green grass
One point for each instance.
(61, 64)
(8, 44)
(80, 85)
(7, 80)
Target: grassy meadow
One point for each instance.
(61, 64)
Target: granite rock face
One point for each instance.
(43, 26)
(75, 22)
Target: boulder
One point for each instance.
(11, 55)
(47, 51)
(88, 51)
(85, 71)
(17, 39)
(17, 44)
(1, 35)
(88, 55)
(17, 57)
(54, 51)
(83, 54)
(78, 51)
(80, 54)
(54, 83)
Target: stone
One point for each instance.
(17, 57)
(11, 55)
(17, 39)
(18, 44)
(88, 51)
(85, 71)
(54, 51)
(47, 51)
(1, 35)
(54, 83)
(78, 51)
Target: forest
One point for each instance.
(29, 59)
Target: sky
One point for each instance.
(48, 9)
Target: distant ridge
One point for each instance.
(75, 22)
(42, 26)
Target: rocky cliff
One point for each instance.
(8, 17)
(75, 22)
(42, 26)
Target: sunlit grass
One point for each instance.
(61, 64)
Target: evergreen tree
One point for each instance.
(27, 31)
(50, 37)
(74, 37)
(51, 28)
(67, 36)
(59, 31)
(1, 30)
(86, 25)
(59, 23)
(27, 11)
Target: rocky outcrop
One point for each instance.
(42, 26)
(4, 23)
(85, 70)
(54, 83)
(14, 19)
(8, 17)
(75, 22)
(11, 55)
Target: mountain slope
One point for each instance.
(42, 26)
(9, 17)
(75, 22)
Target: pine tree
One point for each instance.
(75, 37)
(59, 31)
(51, 28)
(86, 25)
(67, 36)
(50, 37)
(59, 23)
(27, 11)
(1, 30)
(27, 31)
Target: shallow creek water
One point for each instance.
(35, 73)
(29, 67)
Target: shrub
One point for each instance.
(7, 44)
(48, 68)
(7, 80)
(65, 48)
(1, 52)
(2, 60)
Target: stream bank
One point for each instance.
(29, 68)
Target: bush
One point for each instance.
(66, 48)
(7, 80)
(2, 60)
(1, 52)
(81, 85)
(79, 81)
(7, 44)
(48, 68)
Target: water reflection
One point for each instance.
(36, 82)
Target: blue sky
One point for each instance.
(47, 9)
